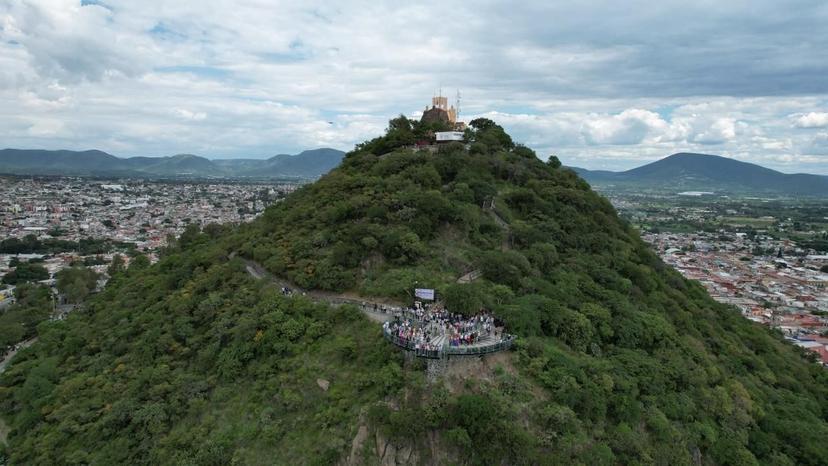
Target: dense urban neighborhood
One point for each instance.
(55, 223)
(785, 290)
(774, 268)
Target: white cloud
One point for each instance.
(812, 120)
(629, 127)
(70, 42)
(185, 114)
(250, 78)
(721, 130)
(46, 128)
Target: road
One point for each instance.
(7, 359)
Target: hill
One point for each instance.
(198, 360)
(307, 165)
(184, 164)
(686, 171)
(40, 162)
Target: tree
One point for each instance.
(116, 266)
(491, 134)
(483, 124)
(139, 262)
(76, 283)
(26, 272)
(11, 331)
(506, 267)
(462, 298)
(553, 161)
(19, 320)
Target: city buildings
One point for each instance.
(139, 213)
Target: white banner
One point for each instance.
(424, 293)
(449, 135)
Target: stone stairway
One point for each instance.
(439, 341)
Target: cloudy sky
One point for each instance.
(602, 84)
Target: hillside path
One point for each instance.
(471, 276)
(366, 305)
(507, 242)
(10, 355)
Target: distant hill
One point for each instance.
(58, 161)
(308, 164)
(688, 171)
(181, 165)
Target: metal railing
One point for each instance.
(447, 351)
(505, 342)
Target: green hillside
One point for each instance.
(619, 359)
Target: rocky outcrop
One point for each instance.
(366, 447)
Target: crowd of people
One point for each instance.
(431, 328)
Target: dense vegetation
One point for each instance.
(76, 283)
(621, 361)
(30, 244)
(26, 272)
(18, 321)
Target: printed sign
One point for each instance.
(424, 293)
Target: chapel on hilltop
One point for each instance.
(440, 111)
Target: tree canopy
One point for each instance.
(76, 283)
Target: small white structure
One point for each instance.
(448, 136)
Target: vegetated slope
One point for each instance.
(711, 172)
(620, 360)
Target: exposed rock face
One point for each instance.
(323, 384)
(386, 452)
(357, 444)
(370, 446)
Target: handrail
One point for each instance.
(447, 351)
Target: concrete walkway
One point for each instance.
(470, 277)
(366, 305)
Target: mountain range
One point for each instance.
(688, 171)
(308, 164)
